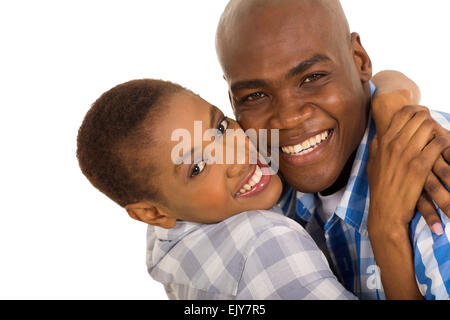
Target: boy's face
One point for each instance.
(299, 74)
(202, 192)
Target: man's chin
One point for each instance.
(310, 183)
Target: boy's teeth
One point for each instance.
(258, 171)
(253, 181)
(306, 146)
(318, 138)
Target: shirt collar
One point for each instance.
(179, 231)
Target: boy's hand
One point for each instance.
(385, 105)
(399, 164)
(394, 91)
(399, 167)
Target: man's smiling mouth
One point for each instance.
(309, 151)
(308, 145)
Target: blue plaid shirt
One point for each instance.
(345, 241)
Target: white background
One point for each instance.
(59, 237)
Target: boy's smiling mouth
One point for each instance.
(256, 181)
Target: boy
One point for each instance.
(208, 237)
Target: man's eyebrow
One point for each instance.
(248, 84)
(306, 64)
(300, 68)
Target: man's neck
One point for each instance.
(342, 180)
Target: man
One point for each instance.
(295, 66)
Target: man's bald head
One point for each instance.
(292, 65)
(242, 17)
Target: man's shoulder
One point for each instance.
(431, 257)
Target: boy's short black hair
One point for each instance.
(111, 134)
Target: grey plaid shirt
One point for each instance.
(252, 255)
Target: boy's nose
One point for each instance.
(236, 170)
(237, 148)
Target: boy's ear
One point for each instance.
(149, 213)
(361, 58)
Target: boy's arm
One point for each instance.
(398, 166)
(395, 92)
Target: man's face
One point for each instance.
(306, 79)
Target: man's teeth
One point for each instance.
(306, 146)
(253, 181)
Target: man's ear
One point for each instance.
(361, 58)
(149, 213)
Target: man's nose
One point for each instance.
(289, 112)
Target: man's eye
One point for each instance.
(198, 168)
(223, 126)
(254, 96)
(313, 77)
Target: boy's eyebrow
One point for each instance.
(306, 64)
(214, 113)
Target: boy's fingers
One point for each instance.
(429, 213)
(446, 155)
(421, 121)
(441, 169)
(401, 118)
(425, 161)
(441, 131)
(438, 193)
(423, 134)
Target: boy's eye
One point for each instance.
(223, 126)
(198, 168)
